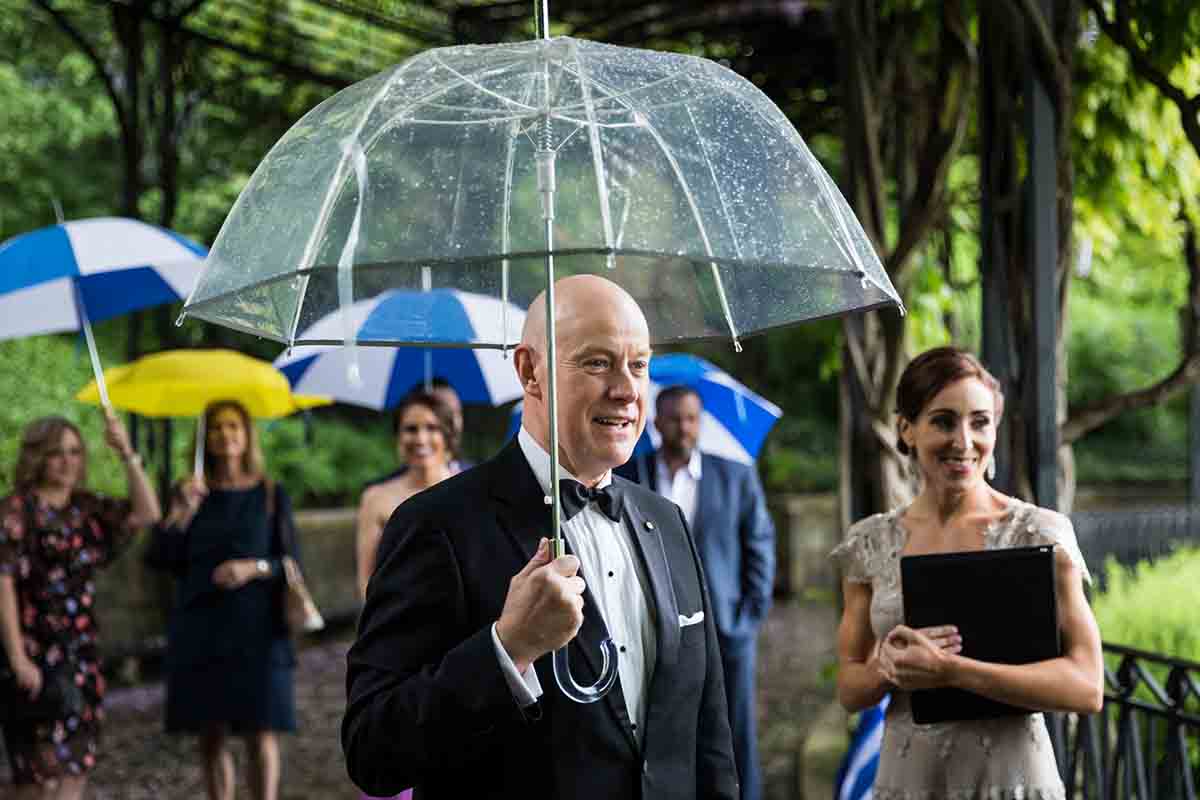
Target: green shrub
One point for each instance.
(40, 378)
(1154, 605)
(43, 373)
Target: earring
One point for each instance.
(990, 472)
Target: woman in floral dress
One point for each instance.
(949, 408)
(54, 537)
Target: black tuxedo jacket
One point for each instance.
(428, 705)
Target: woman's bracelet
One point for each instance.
(133, 459)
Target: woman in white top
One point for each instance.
(427, 440)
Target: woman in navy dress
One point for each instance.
(54, 537)
(230, 659)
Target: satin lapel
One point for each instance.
(648, 539)
(525, 516)
(521, 509)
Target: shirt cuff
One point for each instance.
(526, 689)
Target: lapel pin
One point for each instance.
(649, 525)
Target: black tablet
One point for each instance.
(1002, 601)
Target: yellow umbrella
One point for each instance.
(182, 383)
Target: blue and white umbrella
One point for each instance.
(388, 373)
(856, 775)
(66, 276)
(735, 421)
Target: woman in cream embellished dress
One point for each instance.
(949, 408)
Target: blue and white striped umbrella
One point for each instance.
(856, 775)
(388, 373)
(119, 265)
(67, 276)
(735, 421)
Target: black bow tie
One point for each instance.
(575, 496)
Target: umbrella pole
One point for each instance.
(558, 547)
(86, 325)
(201, 437)
(608, 648)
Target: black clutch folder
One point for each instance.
(1003, 603)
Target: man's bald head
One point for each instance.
(575, 295)
(603, 357)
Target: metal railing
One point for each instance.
(1145, 743)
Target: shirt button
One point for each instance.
(611, 573)
(633, 725)
(623, 650)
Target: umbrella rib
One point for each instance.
(823, 182)
(597, 156)
(463, 79)
(687, 193)
(306, 258)
(573, 251)
(737, 245)
(400, 116)
(505, 235)
(466, 122)
(621, 96)
(237, 326)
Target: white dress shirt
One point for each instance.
(614, 574)
(683, 487)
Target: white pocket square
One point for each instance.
(694, 619)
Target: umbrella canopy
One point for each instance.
(182, 383)
(497, 169)
(388, 373)
(116, 266)
(669, 174)
(735, 421)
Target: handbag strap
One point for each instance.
(284, 532)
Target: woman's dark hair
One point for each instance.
(41, 437)
(934, 370)
(441, 410)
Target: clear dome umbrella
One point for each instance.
(495, 169)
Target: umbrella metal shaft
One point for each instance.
(546, 180)
(558, 545)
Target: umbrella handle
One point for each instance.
(587, 694)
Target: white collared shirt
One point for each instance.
(682, 488)
(614, 574)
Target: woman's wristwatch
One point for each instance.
(263, 566)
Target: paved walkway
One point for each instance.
(139, 761)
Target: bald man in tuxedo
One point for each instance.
(450, 683)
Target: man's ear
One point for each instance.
(525, 362)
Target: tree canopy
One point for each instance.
(218, 81)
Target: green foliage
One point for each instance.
(41, 376)
(1153, 606)
(1135, 174)
(331, 467)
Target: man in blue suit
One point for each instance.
(724, 506)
